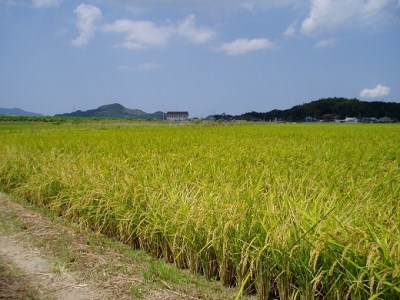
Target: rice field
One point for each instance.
(288, 211)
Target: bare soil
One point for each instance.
(13, 284)
(38, 279)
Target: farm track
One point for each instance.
(28, 248)
(39, 273)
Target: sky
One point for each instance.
(201, 56)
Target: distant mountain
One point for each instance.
(115, 110)
(17, 112)
(326, 109)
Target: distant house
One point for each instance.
(350, 120)
(309, 119)
(177, 116)
(368, 120)
(385, 120)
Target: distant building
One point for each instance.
(177, 116)
(350, 120)
(309, 119)
(385, 120)
(368, 120)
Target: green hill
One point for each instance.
(17, 112)
(115, 110)
(327, 109)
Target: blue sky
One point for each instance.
(203, 56)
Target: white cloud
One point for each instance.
(290, 31)
(378, 91)
(241, 46)
(249, 6)
(198, 35)
(140, 34)
(87, 16)
(145, 34)
(326, 43)
(326, 14)
(331, 14)
(45, 3)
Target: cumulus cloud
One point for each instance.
(330, 14)
(87, 16)
(145, 34)
(45, 3)
(290, 31)
(378, 91)
(140, 34)
(198, 35)
(249, 6)
(326, 14)
(241, 46)
(325, 43)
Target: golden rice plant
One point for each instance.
(293, 211)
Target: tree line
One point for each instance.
(325, 109)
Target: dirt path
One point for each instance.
(53, 261)
(39, 271)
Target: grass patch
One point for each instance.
(159, 271)
(11, 223)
